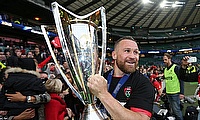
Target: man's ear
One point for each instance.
(114, 56)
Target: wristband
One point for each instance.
(28, 99)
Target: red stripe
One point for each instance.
(141, 111)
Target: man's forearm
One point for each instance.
(18, 97)
(42, 98)
(117, 111)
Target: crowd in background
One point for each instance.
(40, 61)
(33, 76)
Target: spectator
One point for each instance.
(56, 108)
(13, 59)
(52, 69)
(174, 86)
(2, 57)
(156, 84)
(190, 73)
(30, 54)
(8, 55)
(26, 82)
(72, 100)
(44, 76)
(59, 56)
(35, 99)
(37, 55)
(65, 67)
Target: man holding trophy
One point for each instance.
(79, 43)
(126, 94)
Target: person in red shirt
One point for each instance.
(56, 108)
(157, 85)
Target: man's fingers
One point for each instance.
(28, 109)
(9, 98)
(8, 95)
(12, 94)
(18, 93)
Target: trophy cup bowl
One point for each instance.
(79, 40)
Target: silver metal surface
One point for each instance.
(92, 113)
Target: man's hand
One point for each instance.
(3, 112)
(1, 86)
(181, 96)
(18, 97)
(70, 113)
(97, 85)
(25, 115)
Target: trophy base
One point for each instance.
(91, 112)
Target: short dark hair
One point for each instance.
(43, 72)
(122, 38)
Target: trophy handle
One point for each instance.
(61, 34)
(55, 60)
(103, 28)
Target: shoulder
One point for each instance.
(138, 80)
(105, 75)
(137, 76)
(176, 68)
(19, 70)
(56, 97)
(54, 102)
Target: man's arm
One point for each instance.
(25, 115)
(177, 71)
(42, 98)
(98, 86)
(117, 111)
(18, 97)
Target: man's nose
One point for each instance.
(132, 55)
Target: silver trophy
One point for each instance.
(79, 41)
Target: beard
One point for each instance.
(165, 64)
(125, 68)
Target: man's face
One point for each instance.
(43, 75)
(52, 67)
(18, 53)
(30, 55)
(126, 56)
(8, 54)
(55, 51)
(37, 50)
(65, 65)
(1, 55)
(166, 60)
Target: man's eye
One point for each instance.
(127, 51)
(136, 52)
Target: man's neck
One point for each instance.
(169, 64)
(118, 73)
(37, 53)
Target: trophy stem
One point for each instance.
(91, 112)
